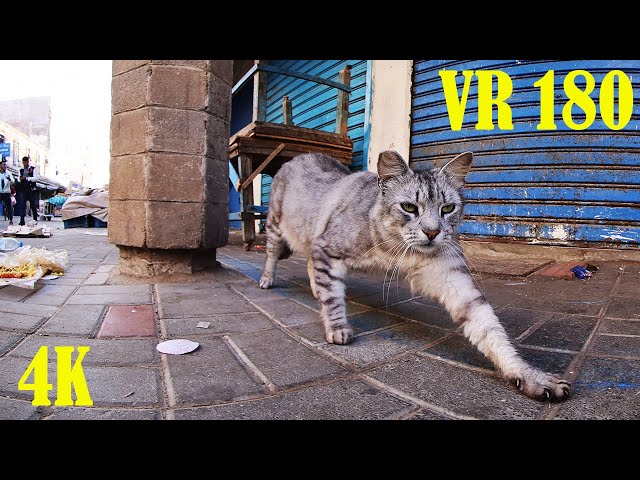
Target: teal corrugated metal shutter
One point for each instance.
(559, 186)
(314, 105)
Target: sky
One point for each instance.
(80, 92)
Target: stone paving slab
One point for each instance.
(97, 279)
(210, 374)
(461, 391)
(32, 309)
(288, 311)
(606, 389)
(459, 349)
(421, 313)
(427, 415)
(568, 332)
(624, 307)
(124, 352)
(128, 321)
(51, 295)
(382, 299)
(140, 289)
(76, 269)
(63, 280)
(12, 293)
(8, 340)
(622, 327)
(617, 345)
(341, 400)
(85, 413)
(11, 409)
(192, 300)
(313, 332)
(373, 320)
(517, 321)
(20, 322)
(126, 386)
(82, 320)
(11, 371)
(284, 361)
(221, 324)
(547, 361)
(381, 346)
(110, 299)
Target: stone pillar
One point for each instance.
(169, 170)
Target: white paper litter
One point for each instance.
(177, 346)
(203, 324)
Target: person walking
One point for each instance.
(6, 181)
(26, 190)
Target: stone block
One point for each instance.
(127, 222)
(223, 69)
(201, 64)
(129, 90)
(172, 225)
(174, 178)
(217, 138)
(217, 181)
(128, 178)
(219, 98)
(176, 131)
(130, 132)
(121, 66)
(216, 225)
(178, 87)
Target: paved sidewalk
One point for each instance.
(263, 355)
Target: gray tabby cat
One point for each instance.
(341, 220)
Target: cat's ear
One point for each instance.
(459, 166)
(391, 164)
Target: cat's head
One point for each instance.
(422, 208)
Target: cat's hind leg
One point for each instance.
(328, 282)
(277, 249)
(312, 277)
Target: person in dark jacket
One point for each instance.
(6, 182)
(26, 190)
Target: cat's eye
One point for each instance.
(409, 207)
(450, 207)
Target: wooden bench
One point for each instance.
(263, 147)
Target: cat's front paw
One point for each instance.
(266, 282)
(339, 336)
(541, 386)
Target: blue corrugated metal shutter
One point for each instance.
(314, 105)
(558, 187)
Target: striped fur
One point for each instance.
(399, 221)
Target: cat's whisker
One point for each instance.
(457, 249)
(396, 270)
(381, 256)
(395, 255)
(377, 245)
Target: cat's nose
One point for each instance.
(431, 234)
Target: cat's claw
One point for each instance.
(542, 386)
(266, 282)
(339, 336)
